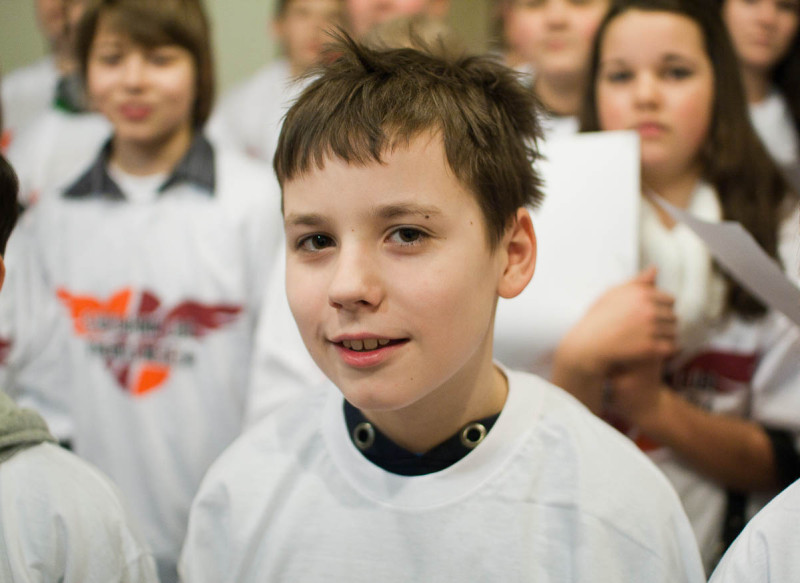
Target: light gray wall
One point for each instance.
(20, 41)
(240, 33)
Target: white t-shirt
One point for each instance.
(131, 330)
(27, 93)
(774, 125)
(62, 520)
(766, 550)
(551, 494)
(249, 117)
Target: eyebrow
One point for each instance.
(386, 212)
(392, 211)
(668, 58)
(677, 57)
(304, 220)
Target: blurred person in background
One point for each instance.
(766, 40)
(552, 41)
(248, 117)
(52, 80)
(365, 14)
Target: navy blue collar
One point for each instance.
(386, 454)
(196, 167)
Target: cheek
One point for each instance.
(182, 89)
(523, 29)
(587, 26)
(613, 109)
(98, 86)
(304, 295)
(694, 111)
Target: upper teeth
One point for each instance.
(366, 344)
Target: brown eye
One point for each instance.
(407, 236)
(315, 242)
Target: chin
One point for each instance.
(374, 398)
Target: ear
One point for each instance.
(2, 272)
(519, 248)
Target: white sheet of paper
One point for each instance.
(744, 259)
(587, 231)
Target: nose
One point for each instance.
(133, 72)
(646, 90)
(355, 283)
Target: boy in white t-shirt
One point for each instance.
(134, 293)
(61, 520)
(405, 221)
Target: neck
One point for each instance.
(430, 421)
(677, 190)
(757, 84)
(561, 95)
(143, 159)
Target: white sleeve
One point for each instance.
(282, 367)
(33, 370)
(63, 520)
(765, 551)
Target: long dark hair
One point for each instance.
(750, 186)
(786, 76)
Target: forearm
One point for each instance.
(733, 451)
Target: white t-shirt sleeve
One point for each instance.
(32, 336)
(62, 520)
(766, 550)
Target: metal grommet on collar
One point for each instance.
(364, 435)
(472, 435)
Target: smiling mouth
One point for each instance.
(369, 344)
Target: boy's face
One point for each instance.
(390, 276)
(302, 29)
(365, 14)
(148, 94)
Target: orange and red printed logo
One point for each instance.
(139, 339)
(5, 141)
(5, 349)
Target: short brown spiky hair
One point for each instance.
(368, 101)
(152, 23)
